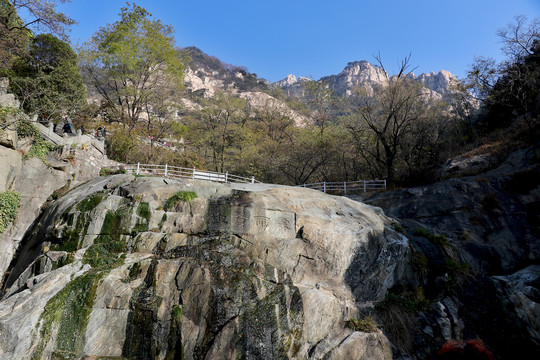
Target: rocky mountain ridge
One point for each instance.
(365, 75)
(207, 74)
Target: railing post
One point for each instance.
(193, 172)
(253, 179)
(138, 167)
(324, 187)
(304, 185)
(365, 188)
(345, 187)
(165, 170)
(226, 176)
(384, 184)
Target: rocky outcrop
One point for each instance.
(7, 99)
(291, 85)
(36, 181)
(476, 247)
(356, 74)
(442, 83)
(200, 80)
(272, 106)
(362, 74)
(254, 271)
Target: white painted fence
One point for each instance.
(185, 173)
(348, 187)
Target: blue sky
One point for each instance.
(317, 38)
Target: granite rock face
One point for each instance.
(291, 85)
(253, 271)
(36, 181)
(356, 74)
(476, 248)
(362, 74)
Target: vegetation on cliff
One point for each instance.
(9, 206)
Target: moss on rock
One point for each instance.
(68, 312)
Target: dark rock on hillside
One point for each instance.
(476, 241)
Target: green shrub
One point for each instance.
(9, 206)
(7, 112)
(436, 239)
(40, 148)
(457, 273)
(397, 227)
(107, 171)
(26, 129)
(180, 196)
(420, 263)
(367, 324)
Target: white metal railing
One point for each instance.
(184, 173)
(348, 187)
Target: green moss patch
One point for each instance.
(68, 311)
(115, 223)
(177, 198)
(107, 171)
(90, 203)
(367, 324)
(436, 239)
(176, 313)
(104, 253)
(72, 236)
(143, 210)
(9, 206)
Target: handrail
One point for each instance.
(184, 173)
(348, 186)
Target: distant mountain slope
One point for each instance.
(207, 74)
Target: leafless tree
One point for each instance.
(519, 37)
(385, 122)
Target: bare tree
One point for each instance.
(386, 119)
(518, 38)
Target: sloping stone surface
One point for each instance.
(252, 271)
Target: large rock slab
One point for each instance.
(254, 271)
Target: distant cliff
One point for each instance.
(365, 75)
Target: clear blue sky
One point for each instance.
(317, 38)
